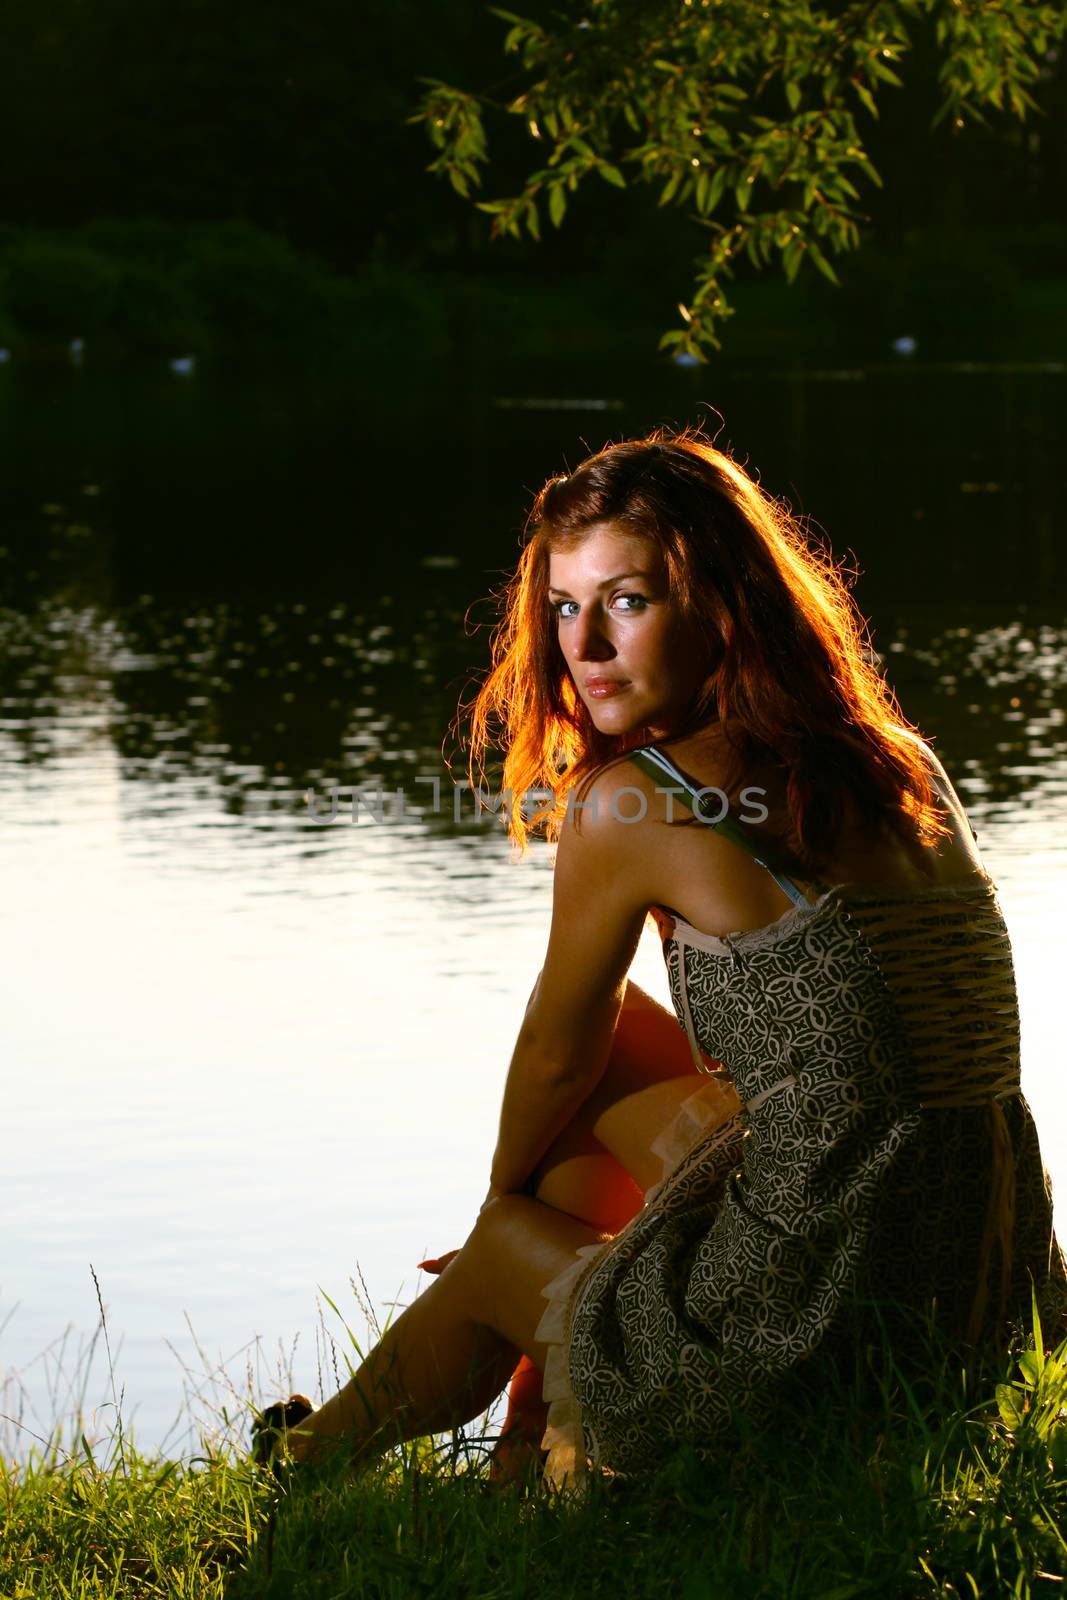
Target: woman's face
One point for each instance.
(627, 647)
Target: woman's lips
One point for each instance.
(602, 688)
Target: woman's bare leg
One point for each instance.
(449, 1355)
(598, 1168)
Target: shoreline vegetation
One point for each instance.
(126, 292)
(866, 1489)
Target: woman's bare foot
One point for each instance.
(273, 1423)
(518, 1452)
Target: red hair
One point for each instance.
(789, 673)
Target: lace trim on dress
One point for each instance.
(567, 1465)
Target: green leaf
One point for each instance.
(866, 96)
(821, 262)
(1010, 1405)
(557, 203)
(509, 16)
(880, 70)
(792, 256)
(611, 174)
(792, 94)
(670, 189)
(1031, 1365)
(715, 191)
(743, 194)
(1035, 1323)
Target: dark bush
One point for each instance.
(58, 290)
(254, 288)
(395, 314)
(155, 312)
(955, 294)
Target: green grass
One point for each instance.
(845, 1496)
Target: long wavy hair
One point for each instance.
(789, 674)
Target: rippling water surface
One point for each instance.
(246, 1054)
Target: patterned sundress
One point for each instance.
(883, 1159)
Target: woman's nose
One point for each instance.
(590, 638)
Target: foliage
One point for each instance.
(55, 289)
(749, 118)
(991, 1494)
(253, 286)
(227, 289)
(402, 312)
(156, 312)
(163, 288)
(953, 293)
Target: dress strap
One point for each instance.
(655, 764)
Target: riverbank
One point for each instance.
(841, 1498)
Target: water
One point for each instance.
(245, 1054)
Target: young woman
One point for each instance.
(834, 1139)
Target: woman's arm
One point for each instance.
(599, 903)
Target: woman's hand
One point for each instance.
(435, 1265)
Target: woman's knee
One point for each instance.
(516, 1246)
(496, 1223)
(579, 1177)
(494, 1242)
(648, 1047)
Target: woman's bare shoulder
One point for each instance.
(936, 771)
(603, 843)
(614, 797)
(946, 861)
(707, 758)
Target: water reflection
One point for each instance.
(247, 709)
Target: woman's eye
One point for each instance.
(635, 602)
